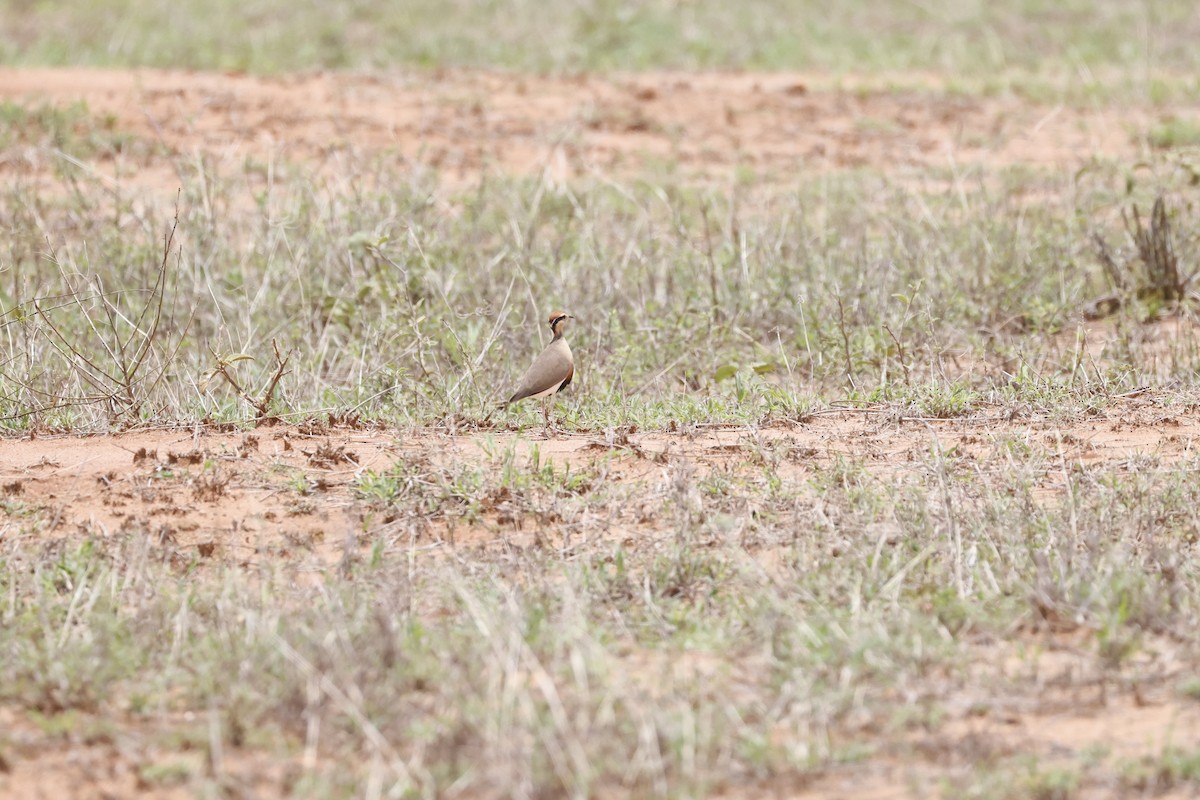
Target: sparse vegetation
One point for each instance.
(1036, 48)
(859, 487)
(1175, 132)
(427, 664)
(1153, 275)
(894, 336)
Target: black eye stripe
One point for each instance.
(557, 320)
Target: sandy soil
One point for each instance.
(285, 493)
(241, 495)
(702, 125)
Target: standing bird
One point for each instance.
(551, 371)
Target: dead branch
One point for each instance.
(116, 381)
(262, 404)
(900, 351)
(281, 365)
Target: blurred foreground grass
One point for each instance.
(1105, 47)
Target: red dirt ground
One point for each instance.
(701, 125)
(270, 490)
(285, 493)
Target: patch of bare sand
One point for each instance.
(288, 492)
(137, 756)
(1031, 696)
(464, 123)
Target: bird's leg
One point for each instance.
(546, 416)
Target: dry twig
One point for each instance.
(263, 403)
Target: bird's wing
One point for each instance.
(548, 370)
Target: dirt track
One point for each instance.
(697, 125)
(288, 491)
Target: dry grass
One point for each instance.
(743, 616)
(695, 304)
(1096, 49)
(853, 496)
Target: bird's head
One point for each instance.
(558, 322)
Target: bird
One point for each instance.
(551, 371)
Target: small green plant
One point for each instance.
(70, 129)
(1171, 769)
(1175, 131)
(1190, 687)
(1052, 783)
(167, 773)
